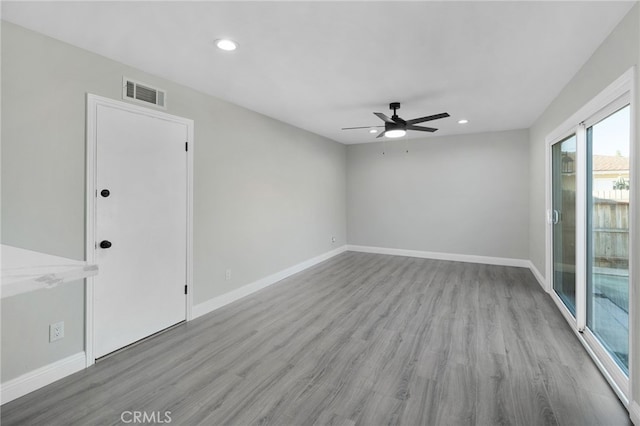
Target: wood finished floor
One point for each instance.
(361, 339)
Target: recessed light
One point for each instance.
(463, 121)
(396, 133)
(226, 44)
(373, 131)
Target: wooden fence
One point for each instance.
(610, 224)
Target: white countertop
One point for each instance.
(25, 270)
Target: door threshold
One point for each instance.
(137, 342)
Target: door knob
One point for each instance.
(105, 193)
(105, 244)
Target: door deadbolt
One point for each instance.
(105, 244)
(105, 193)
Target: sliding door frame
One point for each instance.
(579, 319)
(620, 92)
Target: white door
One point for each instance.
(142, 163)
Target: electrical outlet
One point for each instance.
(227, 274)
(56, 331)
(333, 239)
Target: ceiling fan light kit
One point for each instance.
(395, 133)
(396, 127)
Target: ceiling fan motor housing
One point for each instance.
(394, 126)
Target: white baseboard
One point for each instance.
(634, 412)
(41, 377)
(541, 280)
(469, 258)
(220, 301)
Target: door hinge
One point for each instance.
(186, 146)
(185, 289)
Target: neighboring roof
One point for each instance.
(603, 163)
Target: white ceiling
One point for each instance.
(323, 65)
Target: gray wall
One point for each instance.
(462, 194)
(266, 195)
(614, 56)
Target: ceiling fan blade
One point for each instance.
(428, 118)
(364, 127)
(420, 129)
(381, 134)
(383, 117)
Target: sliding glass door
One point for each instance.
(590, 172)
(563, 218)
(608, 143)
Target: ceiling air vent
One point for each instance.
(143, 93)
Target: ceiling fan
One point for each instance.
(395, 127)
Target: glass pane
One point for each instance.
(608, 234)
(564, 221)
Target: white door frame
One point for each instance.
(93, 101)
